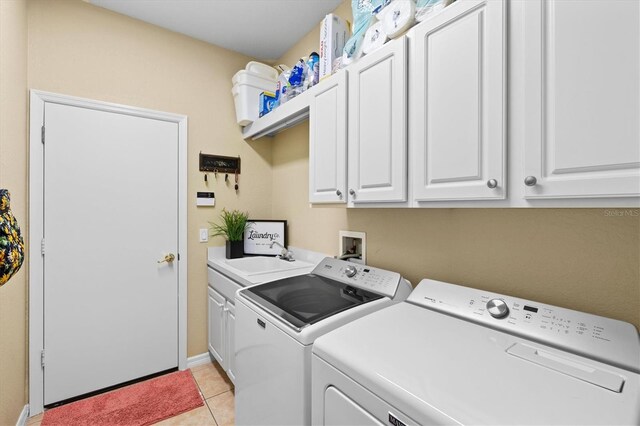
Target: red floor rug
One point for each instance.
(141, 404)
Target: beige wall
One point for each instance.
(13, 176)
(584, 259)
(82, 50)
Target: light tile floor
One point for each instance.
(216, 390)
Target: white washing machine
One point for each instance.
(277, 322)
(473, 357)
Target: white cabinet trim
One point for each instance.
(328, 118)
(614, 180)
(387, 183)
(430, 110)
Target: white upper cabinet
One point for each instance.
(457, 103)
(582, 99)
(328, 141)
(377, 160)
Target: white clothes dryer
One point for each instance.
(466, 356)
(277, 322)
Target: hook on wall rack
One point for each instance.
(222, 164)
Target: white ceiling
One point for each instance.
(263, 29)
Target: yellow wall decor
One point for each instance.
(13, 175)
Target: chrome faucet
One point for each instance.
(285, 254)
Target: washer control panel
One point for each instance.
(604, 339)
(498, 308)
(366, 277)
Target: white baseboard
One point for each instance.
(201, 359)
(24, 415)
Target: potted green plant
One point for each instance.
(233, 225)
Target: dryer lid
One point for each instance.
(428, 364)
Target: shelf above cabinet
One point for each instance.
(288, 115)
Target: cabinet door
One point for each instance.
(217, 326)
(328, 141)
(582, 99)
(457, 103)
(377, 161)
(231, 341)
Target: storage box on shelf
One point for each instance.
(247, 86)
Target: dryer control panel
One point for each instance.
(603, 339)
(379, 281)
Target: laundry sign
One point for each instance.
(265, 237)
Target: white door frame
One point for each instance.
(36, 220)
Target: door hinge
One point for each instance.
(178, 256)
(42, 247)
(42, 134)
(42, 358)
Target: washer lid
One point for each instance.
(306, 299)
(428, 364)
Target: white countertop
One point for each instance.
(216, 259)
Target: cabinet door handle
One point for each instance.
(352, 192)
(492, 183)
(339, 193)
(530, 181)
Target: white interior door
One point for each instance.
(111, 212)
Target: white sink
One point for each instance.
(264, 265)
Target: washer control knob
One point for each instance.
(350, 271)
(497, 308)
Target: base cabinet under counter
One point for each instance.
(221, 319)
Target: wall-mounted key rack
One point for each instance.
(219, 164)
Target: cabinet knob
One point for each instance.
(530, 181)
(339, 193)
(352, 192)
(492, 183)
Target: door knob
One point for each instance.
(530, 181)
(168, 258)
(492, 183)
